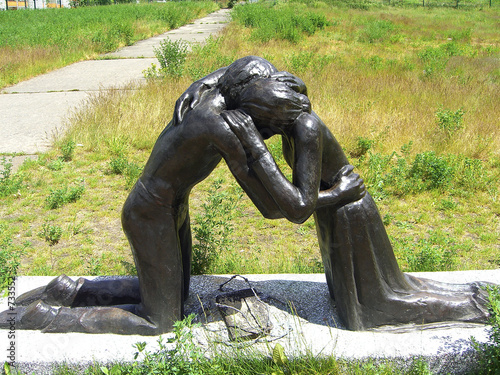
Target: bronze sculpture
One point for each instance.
(227, 115)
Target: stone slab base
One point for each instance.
(303, 318)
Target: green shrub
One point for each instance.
(56, 165)
(172, 57)
(75, 193)
(430, 171)
(118, 165)
(67, 149)
(9, 259)
(132, 173)
(56, 198)
(59, 197)
(489, 353)
(51, 233)
(9, 183)
(288, 22)
(363, 145)
(121, 166)
(399, 174)
(436, 252)
(376, 31)
(450, 121)
(213, 228)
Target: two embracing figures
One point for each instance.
(227, 115)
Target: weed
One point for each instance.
(289, 23)
(56, 165)
(184, 358)
(376, 31)
(172, 57)
(51, 233)
(436, 252)
(363, 146)
(434, 59)
(67, 150)
(299, 62)
(430, 171)
(489, 353)
(9, 259)
(9, 183)
(132, 174)
(450, 121)
(213, 228)
(121, 166)
(59, 197)
(447, 205)
(75, 193)
(94, 267)
(387, 219)
(118, 165)
(56, 198)
(400, 175)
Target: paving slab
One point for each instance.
(312, 327)
(28, 122)
(92, 75)
(31, 111)
(196, 32)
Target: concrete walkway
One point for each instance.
(32, 111)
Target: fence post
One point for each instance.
(6, 4)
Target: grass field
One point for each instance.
(423, 132)
(33, 42)
(412, 95)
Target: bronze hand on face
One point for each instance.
(244, 128)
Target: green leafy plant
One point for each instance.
(94, 266)
(184, 358)
(363, 145)
(172, 57)
(489, 352)
(450, 121)
(213, 228)
(436, 252)
(67, 150)
(56, 165)
(9, 259)
(118, 165)
(59, 197)
(121, 166)
(9, 183)
(430, 171)
(51, 233)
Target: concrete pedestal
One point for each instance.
(303, 317)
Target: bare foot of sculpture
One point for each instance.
(49, 319)
(63, 291)
(59, 292)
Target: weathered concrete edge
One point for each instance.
(446, 350)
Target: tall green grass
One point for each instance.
(34, 41)
(283, 22)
